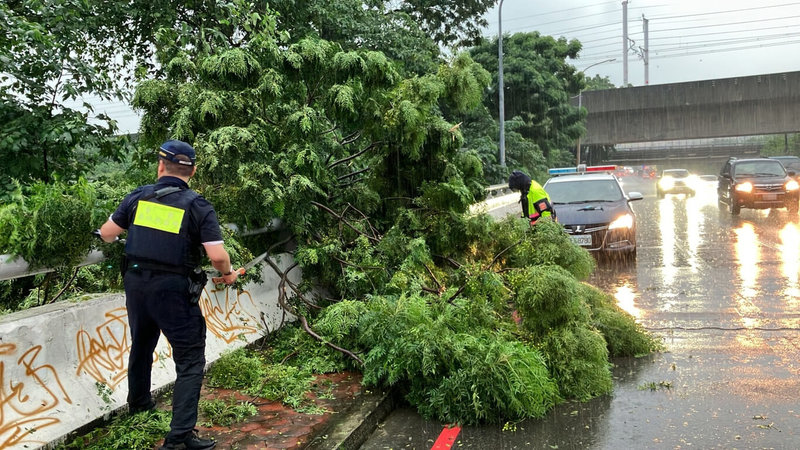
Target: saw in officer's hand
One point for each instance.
(242, 270)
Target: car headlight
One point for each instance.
(666, 183)
(623, 221)
(745, 187)
(792, 185)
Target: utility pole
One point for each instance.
(578, 145)
(625, 43)
(646, 52)
(501, 94)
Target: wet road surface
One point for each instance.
(723, 293)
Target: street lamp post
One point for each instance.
(501, 94)
(580, 98)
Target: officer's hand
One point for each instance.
(231, 277)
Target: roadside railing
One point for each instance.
(12, 267)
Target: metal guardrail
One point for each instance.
(497, 190)
(12, 267)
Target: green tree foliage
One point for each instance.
(597, 82)
(788, 144)
(53, 52)
(456, 352)
(539, 83)
(541, 127)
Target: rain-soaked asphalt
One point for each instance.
(724, 294)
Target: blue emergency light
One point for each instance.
(562, 170)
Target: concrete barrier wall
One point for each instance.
(63, 366)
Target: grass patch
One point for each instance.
(247, 371)
(226, 412)
(135, 432)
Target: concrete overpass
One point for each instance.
(742, 106)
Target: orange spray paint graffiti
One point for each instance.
(23, 403)
(227, 315)
(104, 357)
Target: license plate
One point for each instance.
(769, 196)
(584, 240)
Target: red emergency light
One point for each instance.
(601, 168)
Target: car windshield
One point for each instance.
(759, 168)
(676, 173)
(791, 165)
(584, 191)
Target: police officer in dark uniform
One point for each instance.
(167, 226)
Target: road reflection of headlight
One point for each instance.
(666, 183)
(745, 187)
(792, 185)
(623, 221)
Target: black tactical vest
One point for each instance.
(159, 233)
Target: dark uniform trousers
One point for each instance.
(159, 302)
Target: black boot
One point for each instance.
(192, 442)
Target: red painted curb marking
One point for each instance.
(446, 438)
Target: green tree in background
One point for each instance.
(51, 53)
(539, 83)
(785, 144)
(597, 83)
(541, 125)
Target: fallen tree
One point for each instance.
(374, 188)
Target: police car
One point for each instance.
(594, 210)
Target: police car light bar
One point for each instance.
(580, 169)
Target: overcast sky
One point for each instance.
(688, 40)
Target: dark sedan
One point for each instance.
(595, 212)
(758, 183)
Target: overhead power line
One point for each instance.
(656, 30)
(708, 42)
(724, 12)
(550, 13)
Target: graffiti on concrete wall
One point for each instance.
(24, 402)
(104, 355)
(229, 314)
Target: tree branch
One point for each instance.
(350, 138)
(311, 333)
(374, 231)
(430, 272)
(349, 183)
(501, 253)
(453, 297)
(346, 263)
(352, 174)
(344, 221)
(355, 155)
(453, 262)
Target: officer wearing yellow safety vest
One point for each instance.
(535, 201)
(168, 224)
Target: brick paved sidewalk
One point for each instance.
(280, 427)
